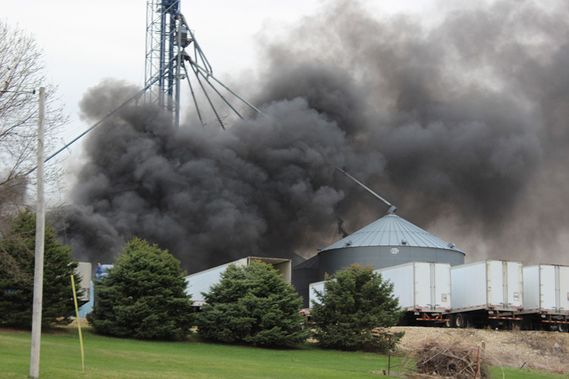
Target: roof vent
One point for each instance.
(451, 245)
(404, 242)
(349, 243)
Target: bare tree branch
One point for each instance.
(21, 74)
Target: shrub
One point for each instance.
(352, 307)
(143, 296)
(17, 252)
(252, 305)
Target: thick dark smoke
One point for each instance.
(12, 198)
(260, 188)
(462, 124)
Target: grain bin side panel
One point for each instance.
(379, 257)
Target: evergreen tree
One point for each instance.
(355, 303)
(17, 251)
(254, 305)
(143, 296)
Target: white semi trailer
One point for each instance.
(486, 293)
(546, 297)
(202, 281)
(423, 290)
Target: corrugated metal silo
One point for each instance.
(388, 241)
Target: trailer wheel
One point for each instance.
(460, 321)
(563, 328)
(449, 323)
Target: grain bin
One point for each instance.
(388, 241)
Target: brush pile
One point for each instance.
(451, 360)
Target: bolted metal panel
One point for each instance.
(388, 241)
(392, 230)
(385, 256)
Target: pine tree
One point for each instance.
(143, 296)
(17, 250)
(353, 304)
(252, 305)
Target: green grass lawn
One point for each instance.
(510, 373)
(120, 358)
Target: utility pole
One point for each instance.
(39, 250)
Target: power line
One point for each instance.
(165, 58)
(92, 127)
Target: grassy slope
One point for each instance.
(510, 373)
(119, 358)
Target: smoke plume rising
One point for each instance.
(463, 124)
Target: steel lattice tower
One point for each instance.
(161, 72)
(167, 37)
(167, 62)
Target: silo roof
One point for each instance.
(392, 230)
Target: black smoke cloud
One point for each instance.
(462, 123)
(260, 188)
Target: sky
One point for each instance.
(84, 42)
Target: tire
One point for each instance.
(563, 328)
(460, 321)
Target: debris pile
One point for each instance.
(451, 360)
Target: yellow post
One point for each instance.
(78, 324)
